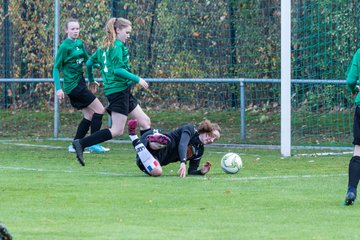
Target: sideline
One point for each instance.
(221, 145)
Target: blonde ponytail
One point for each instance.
(110, 37)
(111, 25)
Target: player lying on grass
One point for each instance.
(184, 144)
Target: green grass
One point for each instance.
(46, 194)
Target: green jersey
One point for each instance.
(70, 58)
(353, 76)
(114, 68)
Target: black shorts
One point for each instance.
(121, 102)
(81, 96)
(356, 127)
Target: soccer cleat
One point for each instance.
(105, 149)
(159, 138)
(79, 151)
(71, 149)
(350, 198)
(4, 234)
(97, 148)
(132, 125)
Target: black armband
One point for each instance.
(183, 161)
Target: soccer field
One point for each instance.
(46, 194)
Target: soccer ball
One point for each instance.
(231, 163)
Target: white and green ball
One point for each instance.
(231, 163)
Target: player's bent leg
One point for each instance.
(96, 107)
(158, 141)
(156, 146)
(356, 150)
(132, 125)
(143, 120)
(79, 150)
(154, 170)
(118, 124)
(151, 165)
(157, 171)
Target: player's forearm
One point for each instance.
(121, 72)
(195, 172)
(90, 70)
(56, 76)
(193, 168)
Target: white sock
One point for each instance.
(133, 137)
(146, 158)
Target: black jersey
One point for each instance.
(185, 146)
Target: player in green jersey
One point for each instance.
(70, 59)
(113, 58)
(353, 75)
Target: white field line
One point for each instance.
(45, 146)
(288, 177)
(228, 179)
(62, 171)
(322, 154)
(33, 145)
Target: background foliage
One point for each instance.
(194, 39)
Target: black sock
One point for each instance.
(354, 172)
(96, 122)
(144, 131)
(135, 142)
(98, 137)
(82, 129)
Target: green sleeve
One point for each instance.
(121, 72)
(90, 70)
(352, 73)
(56, 76)
(85, 52)
(90, 64)
(56, 69)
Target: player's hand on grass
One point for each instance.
(143, 83)
(93, 86)
(206, 167)
(60, 94)
(182, 170)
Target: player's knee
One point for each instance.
(355, 159)
(145, 122)
(156, 172)
(100, 111)
(116, 132)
